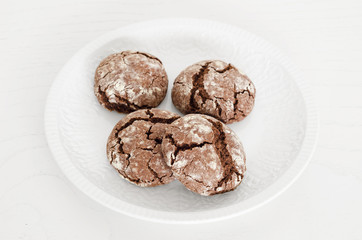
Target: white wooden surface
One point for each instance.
(37, 37)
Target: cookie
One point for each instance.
(214, 88)
(129, 80)
(204, 154)
(134, 147)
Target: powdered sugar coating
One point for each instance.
(130, 80)
(204, 154)
(214, 88)
(134, 147)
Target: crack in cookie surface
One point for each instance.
(155, 175)
(227, 68)
(225, 157)
(196, 180)
(152, 120)
(198, 85)
(149, 56)
(123, 105)
(236, 102)
(183, 147)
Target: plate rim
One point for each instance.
(270, 193)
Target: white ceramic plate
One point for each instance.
(279, 135)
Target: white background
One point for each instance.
(323, 37)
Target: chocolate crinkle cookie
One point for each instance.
(129, 80)
(134, 147)
(204, 154)
(214, 88)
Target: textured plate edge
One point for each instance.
(285, 181)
